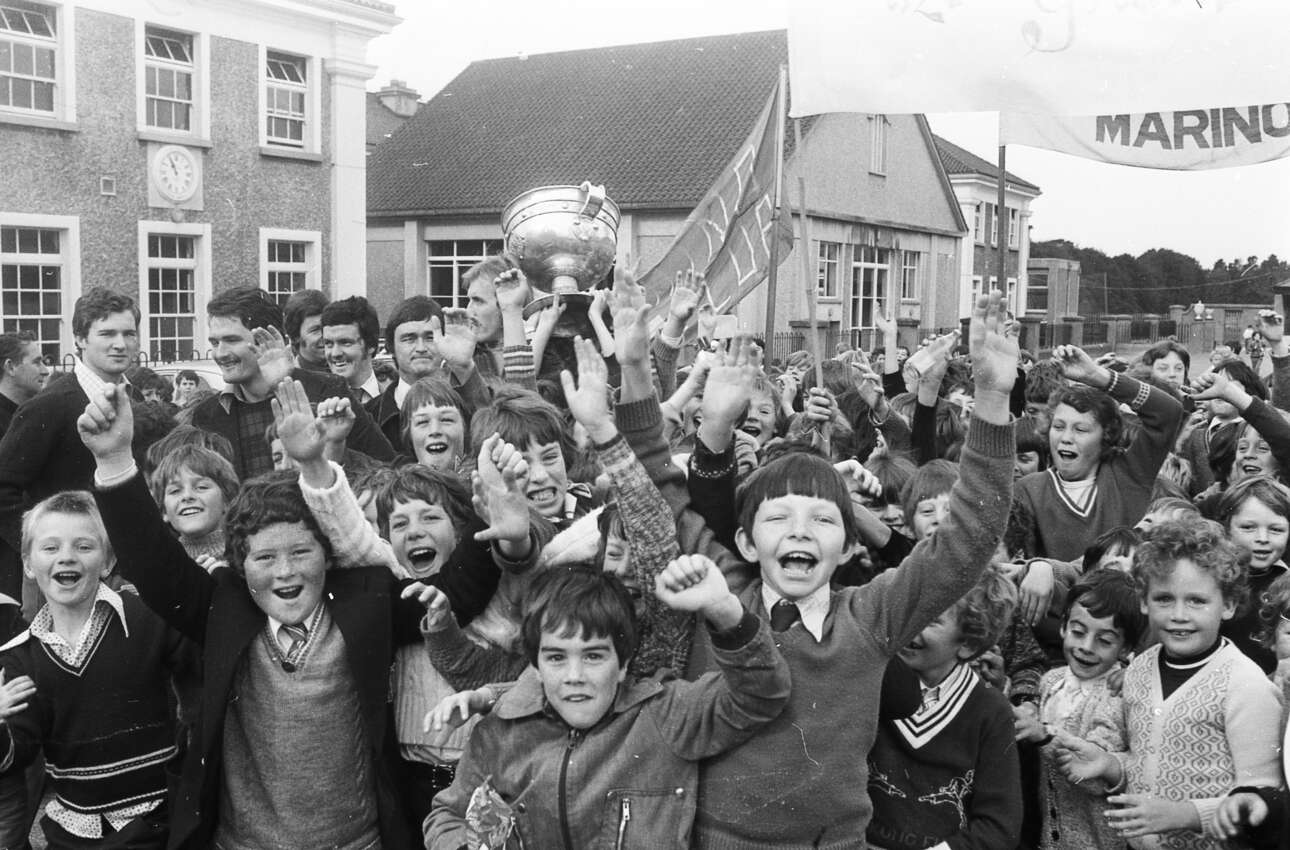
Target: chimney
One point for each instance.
(400, 99)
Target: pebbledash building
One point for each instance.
(168, 148)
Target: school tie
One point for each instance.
(292, 640)
(783, 614)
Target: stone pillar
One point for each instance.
(347, 79)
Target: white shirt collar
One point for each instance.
(370, 388)
(401, 390)
(89, 381)
(310, 622)
(41, 627)
(813, 608)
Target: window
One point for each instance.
(32, 282)
(1037, 291)
(285, 95)
(878, 144)
(910, 261)
(868, 285)
(28, 57)
(174, 275)
(978, 234)
(828, 269)
(1012, 227)
(994, 225)
(449, 259)
(169, 71)
(288, 262)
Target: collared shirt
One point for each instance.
(90, 382)
(106, 603)
(813, 608)
(370, 389)
(401, 390)
(310, 623)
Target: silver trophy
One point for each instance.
(564, 239)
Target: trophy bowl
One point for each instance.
(564, 239)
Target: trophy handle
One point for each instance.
(595, 200)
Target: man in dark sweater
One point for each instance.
(251, 369)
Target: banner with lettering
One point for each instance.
(1183, 140)
(1048, 57)
(728, 235)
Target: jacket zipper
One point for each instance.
(575, 737)
(623, 818)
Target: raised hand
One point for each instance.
(1078, 366)
(729, 384)
(455, 339)
(627, 292)
(512, 290)
(337, 417)
(1272, 326)
(272, 353)
(588, 398)
(685, 295)
(819, 406)
(498, 496)
(453, 711)
(885, 324)
(992, 341)
(438, 611)
(695, 583)
(107, 425)
(303, 437)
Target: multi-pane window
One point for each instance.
(31, 283)
(1012, 227)
(169, 72)
(909, 262)
(1037, 291)
(978, 234)
(288, 268)
(285, 95)
(449, 259)
(869, 273)
(878, 144)
(28, 56)
(828, 269)
(172, 296)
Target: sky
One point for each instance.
(1228, 213)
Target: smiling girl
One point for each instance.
(435, 424)
(1256, 514)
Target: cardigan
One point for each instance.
(811, 775)
(216, 610)
(1050, 527)
(1218, 731)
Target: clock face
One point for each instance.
(175, 171)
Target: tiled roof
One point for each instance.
(654, 122)
(381, 121)
(957, 160)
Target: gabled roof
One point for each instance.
(382, 121)
(654, 122)
(958, 160)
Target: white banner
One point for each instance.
(1050, 57)
(1183, 140)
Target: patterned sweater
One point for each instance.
(1217, 732)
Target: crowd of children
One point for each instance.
(956, 600)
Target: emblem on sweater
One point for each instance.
(953, 794)
(880, 781)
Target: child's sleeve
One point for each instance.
(720, 710)
(21, 734)
(445, 827)
(1024, 663)
(1160, 415)
(650, 532)
(993, 811)
(467, 665)
(354, 543)
(518, 367)
(1253, 727)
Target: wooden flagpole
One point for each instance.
(812, 294)
(1001, 218)
(772, 277)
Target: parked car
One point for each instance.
(208, 374)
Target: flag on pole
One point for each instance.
(1182, 140)
(1048, 58)
(728, 235)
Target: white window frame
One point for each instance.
(1013, 229)
(312, 141)
(911, 264)
(994, 225)
(459, 263)
(828, 268)
(199, 118)
(69, 258)
(878, 144)
(64, 81)
(869, 281)
(978, 231)
(312, 266)
(201, 265)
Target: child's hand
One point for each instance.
(695, 583)
(512, 290)
(819, 406)
(337, 417)
(1136, 815)
(438, 611)
(631, 321)
(745, 453)
(626, 291)
(1209, 385)
(14, 695)
(1272, 326)
(453, 711)
(1238, 811)
(866, 482)
(1081, 761)
(885, 325)
(303, 437)
(989, 665)
(455, 339)
(1036, 592)
(685, 296)
(729, 385)
(1025, 718)
(209, 562)
(1078, 366)
(588, 398)
(498, 497)
(107, 426)
(992, 341)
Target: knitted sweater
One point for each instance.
(1218, 731)
(949, 773)
(1050, 526)
(1072, 814)
(810, 777)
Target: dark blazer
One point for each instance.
(384, 412)
(211, 416)
(217, 611)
